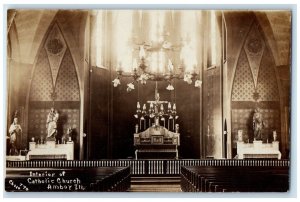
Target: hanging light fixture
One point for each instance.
(154, 61)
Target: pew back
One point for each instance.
(234, 179)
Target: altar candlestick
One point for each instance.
(169, 105)
(151, 105)
(161, 107)
(144, 107)
(138, 105)
(174, 106)
(274, 135)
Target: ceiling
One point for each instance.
(30, 28)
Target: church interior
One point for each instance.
(171, 97)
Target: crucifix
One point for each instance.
(156, 111)
(154, 108)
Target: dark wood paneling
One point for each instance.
(112, 110)
(99, 117)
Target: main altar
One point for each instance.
(161, 138)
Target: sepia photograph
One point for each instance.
(148, 100)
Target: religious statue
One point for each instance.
(15, 132)
(257, 124)
(52, 123)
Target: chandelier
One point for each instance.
(158, 59)
(143, 72)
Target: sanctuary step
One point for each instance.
(155, 184)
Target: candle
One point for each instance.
(151, 105)
(274, 135)
(169, 105)
(162, 107)
(144, 107)
(138, 105)
(174, 106)
(70, 139)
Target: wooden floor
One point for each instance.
(155, 184)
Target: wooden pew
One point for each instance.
(104, 179)
(234, 179)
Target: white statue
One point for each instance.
(52, 123)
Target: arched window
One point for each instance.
(99, 27)
(123, 28)
(189, 37)
(212, 46)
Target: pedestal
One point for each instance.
(32, 146)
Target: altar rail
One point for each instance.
(146, 167)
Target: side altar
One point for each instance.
(258, 149)
(51, 150)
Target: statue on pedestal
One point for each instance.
(257, 124)
(15, 132)
(52, 124)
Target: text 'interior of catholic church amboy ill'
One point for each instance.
(148, 100)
